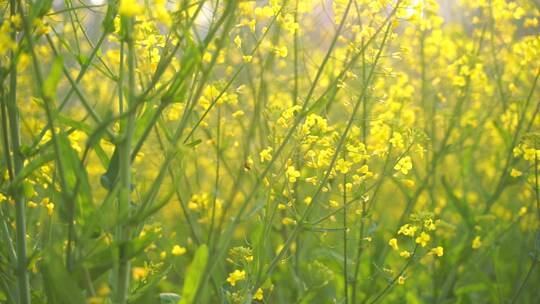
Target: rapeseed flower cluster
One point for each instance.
(269, 151)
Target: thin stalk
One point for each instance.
(535, 257)
(74, 89)
(5, 135)
(502, 178)
(9, 165)
(525, 280)
(295, 41)
(189, 108)
(339, 146)
(393, 281)
(74, 8)
(20, 204)
(124, 196)
(47, 102)
(362, 219)
(216, 183)
(303, 112)
(439, 154)
(345, 230)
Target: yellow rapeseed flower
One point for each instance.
(129, 8)
(476, 242)
(515, 173)
(408, 230)
(235, 276)
(281, 51)
(438, 251)
(423, 239)
(429, 225)
(393, 243)
(266, 155)
(178, 250)
(238, 41)
(405, 254)
(404, 165)
(50, 208)
(139, 273)
(288, 221)
(259, 295)
(343, 166)
(292, 174)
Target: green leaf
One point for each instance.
(168, 298)
(150, 291)
(190, 60)
(60, 286)
(75, 124)
(40, 8)
(94, 139)
(108, 179)
(471, 288)
(108, 21)
(103, 258)
(141, 217)
(32, 165)
(257, 236)
(144, 121)
(75, 174)
(82, 59)
(193, 143)
(461, 206)
(194, 274)
(52, 80)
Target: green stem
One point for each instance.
(345, 230)
(47, 102)
(124, 196)
(7, 159)
(333, 160)
(14, 128)
(393, 281)
(501, 183)
(216, 183)
(524, 282)
(535, 257)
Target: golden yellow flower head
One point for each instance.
(178, 250)
(130, 8)
(476, 242)
(423, 239)
(259, 295)
(393, 243)
(438, 251)
(235, 276)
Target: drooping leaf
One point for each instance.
(461, 206)
(60, 286)
(39, 8)
(194, 275)
(108, 21)
(75, 175)
(52, 80)
(32, 165)
(168, 298)
(103, 259)
(108, 178)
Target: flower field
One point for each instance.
(269, 151)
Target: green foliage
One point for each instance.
(281, 151)
(194, 275)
